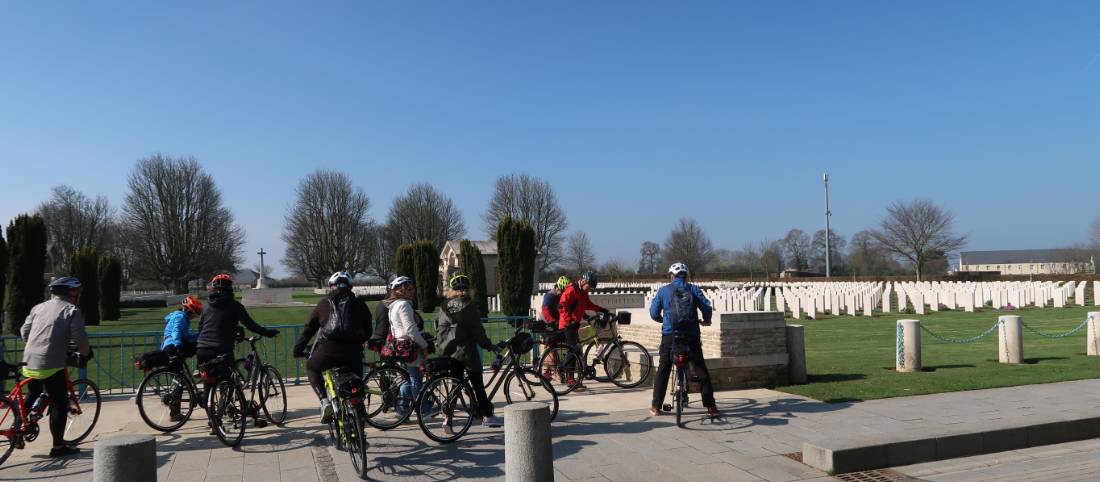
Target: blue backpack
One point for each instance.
(681, 309)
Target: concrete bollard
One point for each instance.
(1010, 339)
(796, 352)
(125, 457)
(1093, 339)
(528, 454)
(908, 346)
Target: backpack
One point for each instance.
(381, 322)
(340, 324)
(681, 309)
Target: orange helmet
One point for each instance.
(192, 304)
(222, 281)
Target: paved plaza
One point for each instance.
(607, 434)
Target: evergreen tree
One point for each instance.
(403, 263)
(3, 271)
(516, 266)
(426, 266)
(26, 268)
(110, 288)
(472, 265)
(84, 266)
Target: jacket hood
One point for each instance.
(220, 297)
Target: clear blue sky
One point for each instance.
(637, 112)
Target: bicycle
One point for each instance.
(262, 381)
(566, 366)
(679, 391)
(167, 395)
(383, 386)
(19, 423)
(226, 406)
(346, 395)
(446, 406)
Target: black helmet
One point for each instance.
(591, 278)
(460, 282)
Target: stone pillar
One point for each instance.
(796, 350)
(528, 455)
(1093, 339)
(908, 346)
(1010, 339)
(125, 457)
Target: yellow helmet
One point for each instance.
(563, 282)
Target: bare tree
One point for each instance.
(688, 243)
(74, 221)
(578, 256)
(533, 200)
(771, 257)
(383, 250)
(425, 213)
(918, 231)
(328, 228)
(615, 268)
(867, 257)
(185, 232)
(747, 259)
(651, 256)
(837, 246)
(796, 247)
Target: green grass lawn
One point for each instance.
(852, 358)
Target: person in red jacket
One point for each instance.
(572, 305)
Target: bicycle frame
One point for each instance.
(252, 380)
(16, 396)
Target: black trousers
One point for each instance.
(58, 391)
(572, 338)
(203, 355)
(477, 381)
(695, 360)
(316, 366)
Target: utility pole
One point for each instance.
(828, 251)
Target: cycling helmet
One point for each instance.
(563, 281)
(222, 281)
(591, 278)
(678, 269)
(66, 282)
(192, 304)
(398, 281)
(341, 279)
(460, 282)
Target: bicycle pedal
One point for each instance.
(666, 407)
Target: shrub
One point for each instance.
(472, 265)
(110, 288)
(515, 266)
(26, 268)
(84, 266)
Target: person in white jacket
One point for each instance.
(405, 325)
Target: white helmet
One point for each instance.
(677, 269)
(398, 281)
(337, 276)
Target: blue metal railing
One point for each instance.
(113, 369)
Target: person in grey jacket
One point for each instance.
(460, 335)
(48, 331)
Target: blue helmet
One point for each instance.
(67, 282)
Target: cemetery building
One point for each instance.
(1028, 261)
(450, 263)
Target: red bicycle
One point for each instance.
(19, 423)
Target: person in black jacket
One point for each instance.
(342, 323)
(218, 324)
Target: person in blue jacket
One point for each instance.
(677, 316)
(177, 330)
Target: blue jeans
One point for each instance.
(410, 390)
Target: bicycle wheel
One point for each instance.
(165, 399)
(451, 412)
(562, 365)
(681, 395)
(354, 436)
(227, 408)
(527, 385)
(84, 405)
(385, 406)
(589, 358)
(627, 364)
(273, 395)
(11, 423)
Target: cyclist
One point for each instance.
(574, 302)
(460, 334)
(405, 325)
(47, 332)
(342, 323)
(218, 324)
(550, 314)
(675, 307)
(177, 329)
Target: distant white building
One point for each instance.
(1029, 261)
(449, 262)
